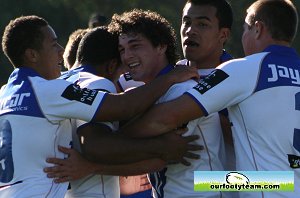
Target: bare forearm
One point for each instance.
(127, 105)
(101, 145)
(163, 117)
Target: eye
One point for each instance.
(202, 25)
(121, 50)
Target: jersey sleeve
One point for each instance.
(59, 99)
(99, 84)
(228, 85)
(177, 90)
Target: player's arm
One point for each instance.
(127, 105)
(164, 117)
(99, 144)
(76, 167)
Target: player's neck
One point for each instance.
(205, 64)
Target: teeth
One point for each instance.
(133, 64)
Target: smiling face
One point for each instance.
(143, 60)
(201, 38)
(50, 56)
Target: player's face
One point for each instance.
(248, 38)
(201, 37)
(140, 57)
(49, 58)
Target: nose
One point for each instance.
(191, 30)
(60, 50)
(127, 55)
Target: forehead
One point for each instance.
(199, 11)
(130, 37)
(48, 33)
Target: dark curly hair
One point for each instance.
(150, 24)
(20, 34)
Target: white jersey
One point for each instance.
(34, 120)
(262, 93)
(92, 186)
(126, 82)
(177, 180)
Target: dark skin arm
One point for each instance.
(99, 144)
(164, 117)
(76, 167)
(125, 106)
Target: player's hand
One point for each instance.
(182, 73)
(178, 147)
(72, 168)
(134, 184)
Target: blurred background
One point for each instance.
(65, 16)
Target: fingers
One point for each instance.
(193, 147)
(54, 160)
(185, 162)
(191, 155)
(65, 150)
(191, 138)
(62, 179)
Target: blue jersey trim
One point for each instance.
(99, 107)
(199, 104)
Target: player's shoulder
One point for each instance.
(182, 62)
(126, 82)
(248, 61)
(91, 81)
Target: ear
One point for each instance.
(31, 55)
(162, 49)
(259, 28)
(224, 35)
(112, 66)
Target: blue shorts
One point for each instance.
(144, 194)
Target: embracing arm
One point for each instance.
(76, 167)
(127, 105)
(164, 117)
(99, 144)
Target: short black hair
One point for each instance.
(224, 11)
(20, 34)
(98, 46)
(72, 46)
(97, 19)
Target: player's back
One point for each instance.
(271, 119)
(92, 185)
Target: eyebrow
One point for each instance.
(198, 17)
(132, 41)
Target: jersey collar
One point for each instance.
(165, 70)
(288, 51)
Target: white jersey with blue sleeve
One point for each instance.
(92, 186)
(177, 180)
(34, 120)
(262, 93)
(126, 82)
